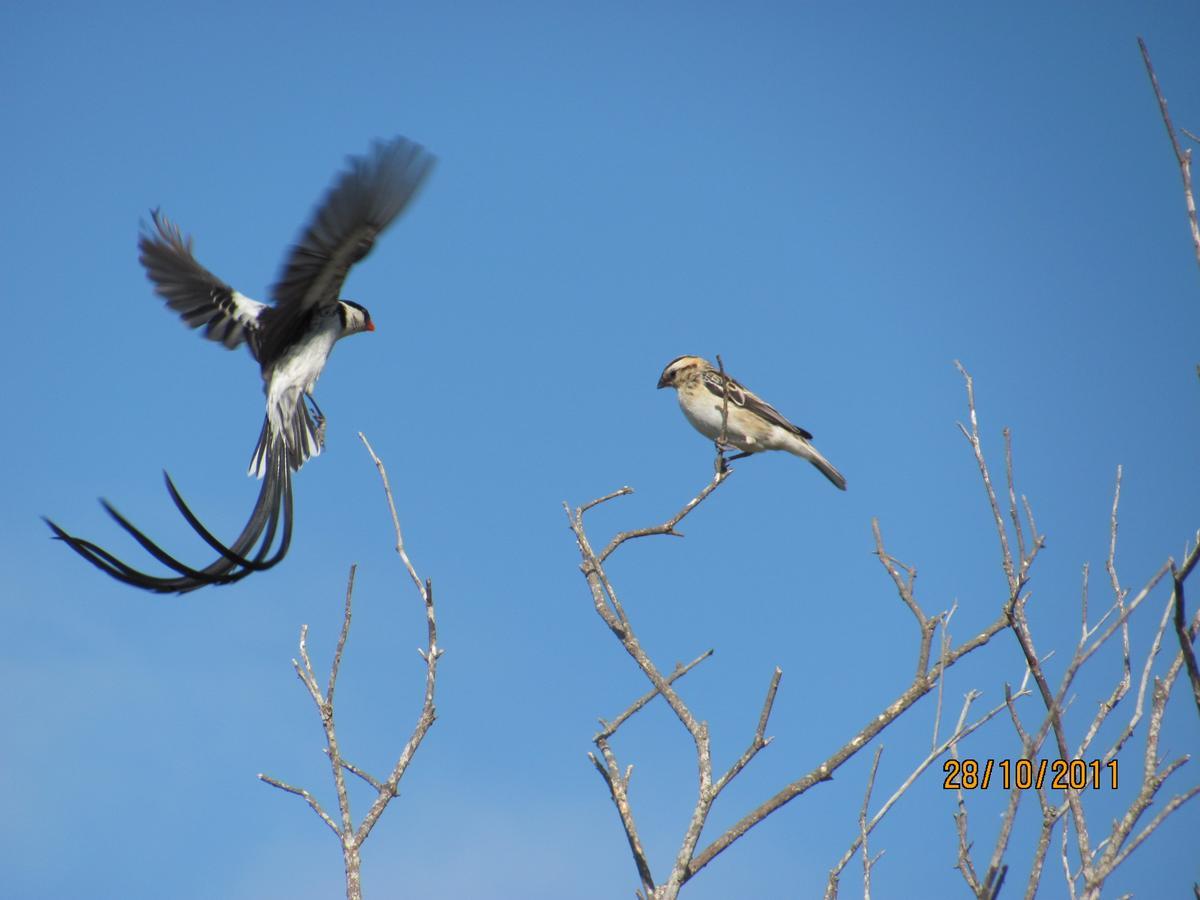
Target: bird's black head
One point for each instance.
(355, 317)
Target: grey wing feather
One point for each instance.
(364, 200)
(739, 396)
(199, 296)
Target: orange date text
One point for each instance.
(1023, 774)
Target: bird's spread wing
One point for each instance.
(364, 200)
(199, 296)
(739, 396)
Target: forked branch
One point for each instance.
(351, 836)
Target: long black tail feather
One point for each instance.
(253, 528)
(235, 562)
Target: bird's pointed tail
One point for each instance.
(826, 468)
(805, 450)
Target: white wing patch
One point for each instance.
(200, 297)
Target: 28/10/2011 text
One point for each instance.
(1064, 774)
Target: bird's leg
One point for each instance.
(318, 416)
(721, 464)
(316, 410)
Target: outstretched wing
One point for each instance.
(364, 200)
(739, 396)
(199, 296)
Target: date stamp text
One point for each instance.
(1023, 774)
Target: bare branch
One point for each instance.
(609, 608)
(993, 883)
(921, 685)
(668, 527)
(1182, 157)
(1012, 495)
(758, 741)
(973, 438)
(351, 838)
(608, 729)
(308, 798)
(719, 465)
(961, 731)
(946, 644)
(1179, 576)
(964, 864)
(425, 720)
(862, 825)
(387, 490)
(364, 775)
(904, 587)
(618, 787)
(620, 492)
(341, 644)
(1147, 670)
(1170, 807)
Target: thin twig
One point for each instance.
(720, 465)
(758, 742)
(308, 798)
(1178, 577)
(862, 825)
(668, 527)
(1182, 157)
(387, 489)
(618, 787)
(973, 438)
(961, 731)
(608, 729)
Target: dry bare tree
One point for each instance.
(1086, 864)
(1183, 157)
(351, 836)
(1059, 784)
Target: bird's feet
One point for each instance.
(721, 465)
(314, 409)
(318, 418)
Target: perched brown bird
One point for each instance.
(752, 425)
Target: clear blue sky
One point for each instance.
(840, 200)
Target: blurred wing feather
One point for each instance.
(365, 199)
(200, 297)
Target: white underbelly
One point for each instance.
(296, 373)
(708, 419)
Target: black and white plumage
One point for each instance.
(721, 409)
(291, 339)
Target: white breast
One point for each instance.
(704, 415)
(297, 371)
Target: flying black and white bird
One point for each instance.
(713, 402)
(291, 340)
